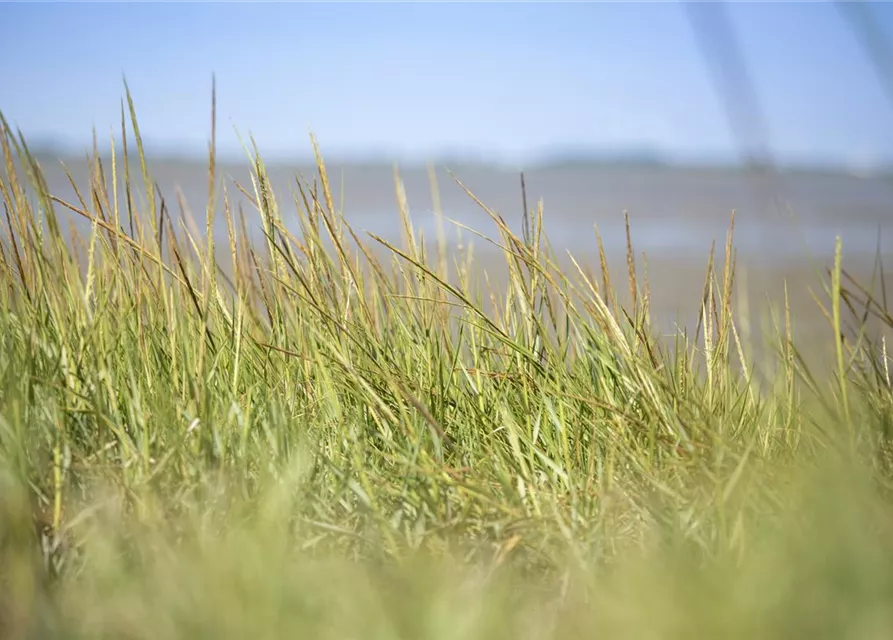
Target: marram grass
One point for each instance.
(323, 434)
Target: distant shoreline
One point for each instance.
(634, 162)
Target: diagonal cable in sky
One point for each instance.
(722, 53)
(869, 35)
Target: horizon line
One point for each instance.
(631, 157)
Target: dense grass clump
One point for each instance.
(320, 432)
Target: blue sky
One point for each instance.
(509, 81)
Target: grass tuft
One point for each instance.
(325, 432)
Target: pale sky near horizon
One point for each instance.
(505, 80)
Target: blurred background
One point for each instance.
(677, 113)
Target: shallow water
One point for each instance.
(674, 212)
(784, 231)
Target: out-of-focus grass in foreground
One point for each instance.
(324, 434)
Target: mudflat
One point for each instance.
(785, 223)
